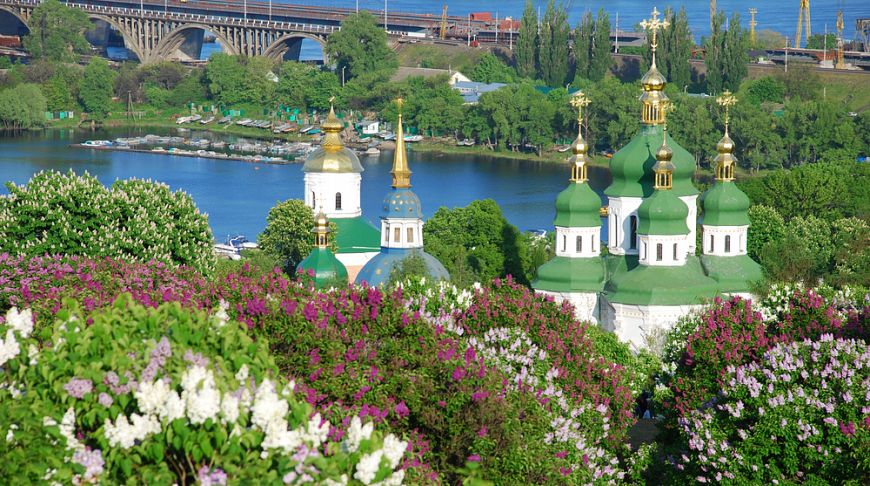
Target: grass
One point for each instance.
(440, 56)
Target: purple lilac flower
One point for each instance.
(211, 478)
(92, 461)
(473, 458)
(78, 388)
(105, 400)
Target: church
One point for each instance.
(650, 275)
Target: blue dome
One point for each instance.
(377, 271)
(402, 203)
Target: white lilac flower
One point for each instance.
(229, 408)
(220, 316)
(20, 321)
(342, 481)
(123, 433)
(242, 374)
(67, 429)
(202, 400)
(395, 479)
(368, 467)
(356, 433)
(9, 347)
(394, 449)
(10, 435)
(317, 431)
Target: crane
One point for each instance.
(444, 21)
(841, 64)
(752, 24)
(804, 9)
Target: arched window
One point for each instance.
(633, 224)
(658, 252)
(643, 247)
(711, 244)
(338, 201)
(675, 252)
(727, 243)
(564, 243)
(579, 244)
(397, 234)
(313, 200)
(743, 242)
(410, 235)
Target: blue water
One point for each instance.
(237, 195)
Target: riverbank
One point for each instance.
(480, 151)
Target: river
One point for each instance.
(238, 195)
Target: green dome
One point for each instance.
(632, 165)
(663, 213)
(326, 267)
(733, 273)
(631, 283)
(725, 205)
(578, 206)
(563, 274)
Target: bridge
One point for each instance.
(155, 30)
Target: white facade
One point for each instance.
(622, 215)
(585, 303)
(578, 242)
(369, 127)
(663, 250)
(402, 233)
(724, 241)
(691, 221)
(632, 323)
(339, 193)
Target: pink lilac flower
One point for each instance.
(78, 388)
(473, 458)
(105, 400)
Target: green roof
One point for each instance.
(725, 205)
(734, 273)
(631, 166)
(563, 274)
(327, 269)
(578, 206)
(632, 283)
(663, 213)
(356, 235)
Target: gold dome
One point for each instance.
(579, 146)
(664, 153)
(653, 80)
(332, 156)
(321, 230)
(725, 145)
(664, 168)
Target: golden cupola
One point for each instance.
(332, 156)
(580, 160)
(725, 159)
(654, 99)
(664, 168)
(321, 230)
(401, 171)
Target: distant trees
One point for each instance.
(553, 54)
(592, 58)
(727, 54)
(98, 85)
(360, 47)
(822, 41)
(22, 107)
(527, 43)
(674, 49)
(56, 32)
(490, 69)
(287, 236)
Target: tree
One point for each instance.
(324, 86)
(675, 49)
(768, 39)
(600, 58)
(22, 107)
(360, 47)
(527, 43)
(822, 41)
(766, 225)
(56, 32)
(758, 142)
(766, 89)
(691, 124)
(583, 46)
(288, 233)
(225, 78)
(294, 82)
(727, 54)
(553, 45)
(490, 69)
(801, 81)
(98, 85)
(61, 90)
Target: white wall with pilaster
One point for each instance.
(691, 222)
(649, 254)
(585, 303)
(620, 210)
(632, 323)
(724, 240)
(402, 233)
(326, 185)
(578, 242)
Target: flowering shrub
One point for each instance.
(801, 413)
(135, 220)
(130, 394)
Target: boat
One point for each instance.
(206, 121)
(227, 251)
(384, 133)
(225, 119)
(390, 136)
(313, 131)
(306, 129)
(372, 151)
(563, 149)
(244, 122)
(413, 138)
(466, 142)
(240, 242)
(194, 118)
(182, 119)
(96, 143)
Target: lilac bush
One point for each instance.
(801, 413)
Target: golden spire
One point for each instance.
(580, 159)
(401, 172)
(332, 127)
(725, 160)
(653, 82)
(664, 168)
(321, 230)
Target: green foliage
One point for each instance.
(295, 81)
(517, 116)
(366, 91)
(674, 49)
(288, 236)
(236, 79)
(204, 399)
(612, 116)
(766, 89)
(360, 46)
(822, 41)
(98, 86)
(61, 90)
(727, 54)
(56, 32)
(553, 45)
(592, 58)
(22, 107)
(431, 105)
(766, 225)
(691, 123)
(490, 69)
(801, 81)
(136, 220)
(527, 42)
(475, 243)
(412, 266)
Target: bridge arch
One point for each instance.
(173, 39)
(15, 14)
(278, 49)
(130, 42)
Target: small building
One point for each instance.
(368, 127)
(405, 72)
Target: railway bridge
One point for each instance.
(155, 30)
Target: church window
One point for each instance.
(643, 246)
(579, 244)
(711, 244)
(743, 242)
(658, 252)
(564, 243)
(313, 200)
(397, 234)
(675, 252)
(727, 243)
(633, 224)
(338, 201)
(410, 235)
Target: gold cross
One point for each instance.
(726, 100)
(579, 101)
(331, 99)
(654, 24)
(399, 103)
